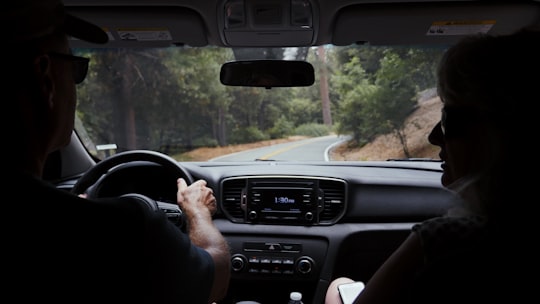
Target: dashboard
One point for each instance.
(295, 226)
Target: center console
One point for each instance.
(290, 265)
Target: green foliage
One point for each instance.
(172, 99)
(283, 127)
(312, 130)
(378, 98)
(247, 135)
(127, 87)
(356, 94)
(304, 111)
(205, 142)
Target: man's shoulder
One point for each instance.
(61, 212)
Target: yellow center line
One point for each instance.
(265, 157)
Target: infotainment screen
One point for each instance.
(282, 199)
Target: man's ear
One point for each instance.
(43, 77)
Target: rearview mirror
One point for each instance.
(267, 73)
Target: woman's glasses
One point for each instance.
(456, 121)
(79, 65)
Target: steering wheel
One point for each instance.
(97, 178)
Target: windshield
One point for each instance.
(367, 103)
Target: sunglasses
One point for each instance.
(456, 121)
(79, 65)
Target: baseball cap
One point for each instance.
(25, 20)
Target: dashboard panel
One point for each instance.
(296, 226)
(360, 213)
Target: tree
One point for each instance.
(355, 90)
(385, 92)
(323, 83)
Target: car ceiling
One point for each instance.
(268, 23)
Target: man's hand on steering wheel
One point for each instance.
(195, 197)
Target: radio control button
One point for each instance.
(304, 265)
(272, 246)
(291, 247)
(254, 260)
(287, 272)
(287, 261)
(238, 262)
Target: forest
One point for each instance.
(171, 100)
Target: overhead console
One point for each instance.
(263, 23)
(288, 200)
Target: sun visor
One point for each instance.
(436, 23)
(144, 26)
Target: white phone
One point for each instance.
(349, 291)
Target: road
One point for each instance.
(312, 149)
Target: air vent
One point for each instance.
(334, 201)
(232, 190)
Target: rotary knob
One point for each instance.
(252, 215)
(304, 265)
(238, 262)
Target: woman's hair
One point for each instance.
(499, 78)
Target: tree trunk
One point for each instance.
(323, 82)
